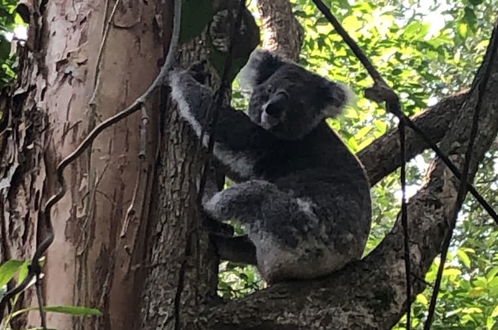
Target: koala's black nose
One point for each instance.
(277, 104)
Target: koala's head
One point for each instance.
(288, 100)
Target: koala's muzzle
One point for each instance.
(274, 110)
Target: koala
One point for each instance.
(302, 195)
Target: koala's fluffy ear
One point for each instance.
(339, 96)
(261, 65)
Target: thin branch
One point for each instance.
(404, 223)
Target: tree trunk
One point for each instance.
(183, 264)
(283, 33)
(65, 88)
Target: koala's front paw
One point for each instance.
(200, 73)
(211, 205)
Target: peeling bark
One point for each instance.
(92, 261)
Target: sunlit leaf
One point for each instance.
(464, 257)
(8, 269)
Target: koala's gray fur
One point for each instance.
(302, 194)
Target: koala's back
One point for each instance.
(332, 190)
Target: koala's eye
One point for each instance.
(270, 89)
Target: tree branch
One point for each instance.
(382, 156)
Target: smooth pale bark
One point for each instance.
(97, 246)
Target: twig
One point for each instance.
(35, 268)
(41, 304)
(462, 189)
(404, 223)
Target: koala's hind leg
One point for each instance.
(263, 207)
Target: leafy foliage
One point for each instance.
(8, 272)
(8, 21)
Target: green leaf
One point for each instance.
(495, 312)
(463, 30)
(477, 292)
(23, 270)
(74, 310)
(472, 310)
(416, 30)
(423, 300)
(452, 272)
(464, 257)
(8, 269)
(469, 16)
(4, 48)
(492, 273)
(351, 23)
(196, 14)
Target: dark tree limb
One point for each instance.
(382, 156)
(370, 294)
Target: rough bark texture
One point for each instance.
(178, 246)
(282, 32)
(92, 261)
(370, 294)
(182, 266)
